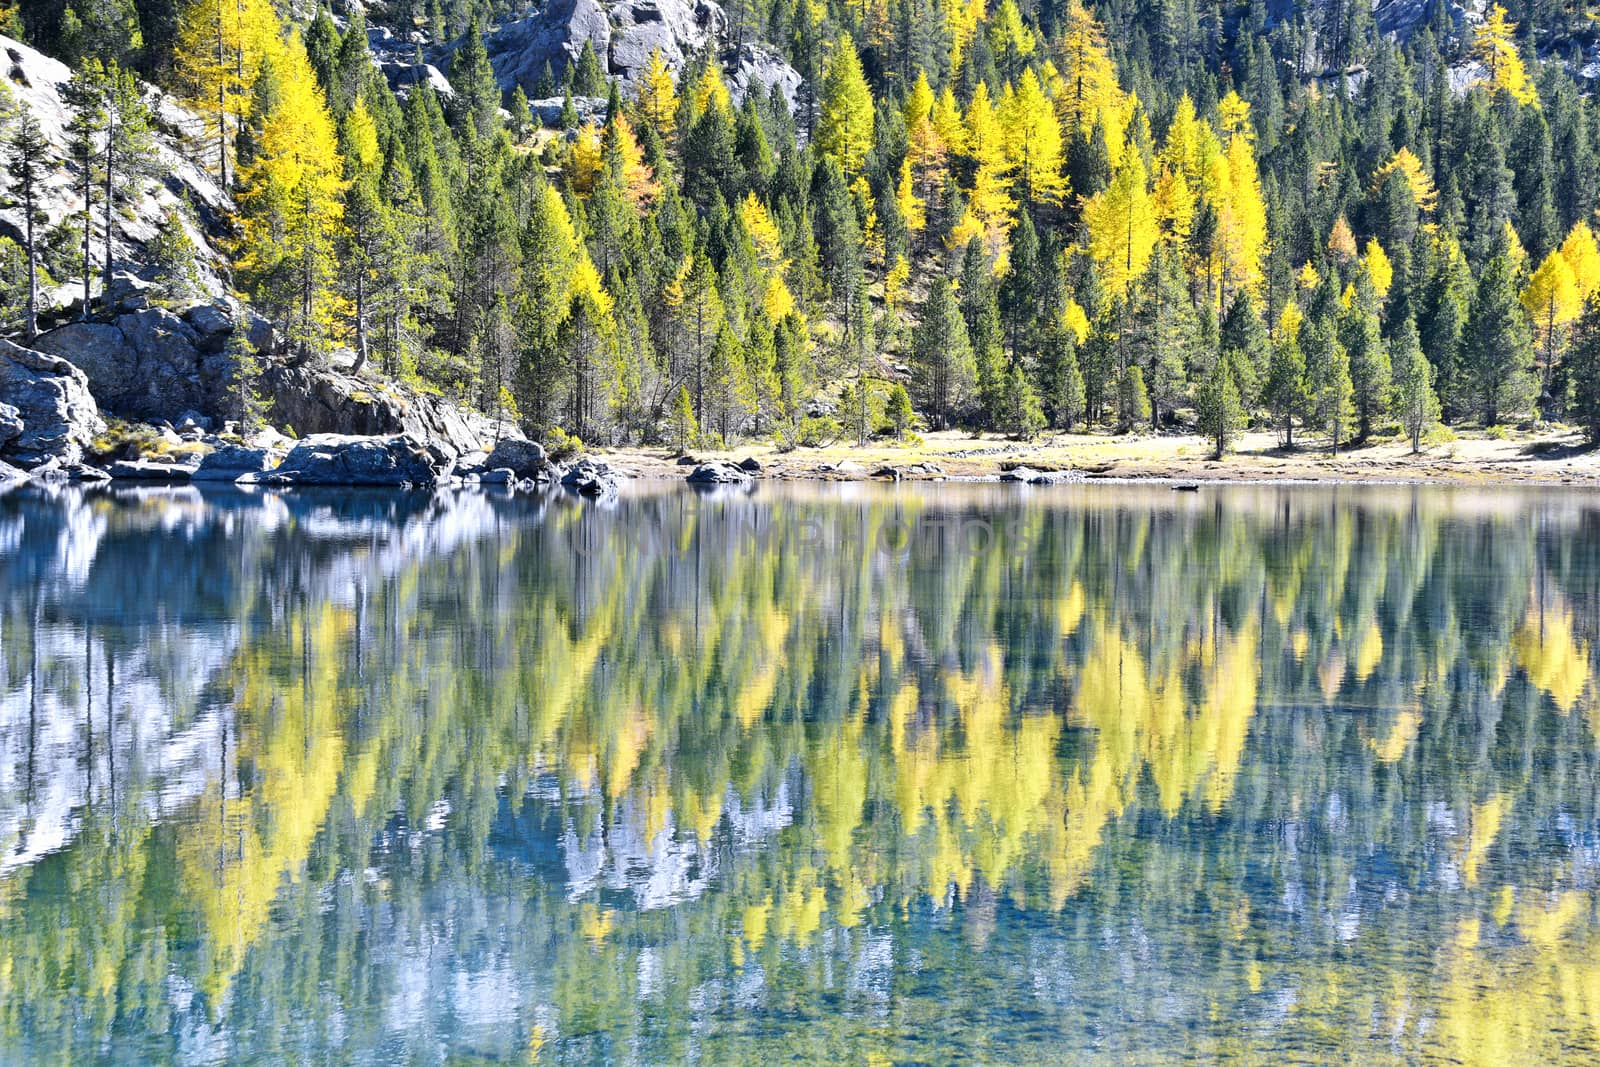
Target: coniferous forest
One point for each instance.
(1000, 216)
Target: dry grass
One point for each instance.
(1551, 456)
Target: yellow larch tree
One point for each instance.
(1405, 166)
(961, 20)
(844, 128)
(949, 123)
(913, 208)
(1033, 143)
(1553, 301)
(1088, 91)
(1582, 253)
(1379, 267)
(767, 241)
(621, 151)
(584, 161)
(927, 151)
(1122, 225)
(658, 99)
(1493, 46)
(710, 91)
(290, 207)
(221, 45)
(1174, 203)
(989, 202)
(1241, 220)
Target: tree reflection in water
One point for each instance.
(1262, 771)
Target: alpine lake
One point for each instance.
(815, 773)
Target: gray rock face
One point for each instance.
(155, 364)
(334, 459)
(145, 470)
(231, 462)
(1029, 476)
(525, 459)
(10, 424)
(328, 402)
(590, 477)
(719, 473)
(624, 33)
(10, 475)
(51, 399)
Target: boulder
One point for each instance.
(718, 472)
(51, 399)
(1029, 476)
(894, 474)
(10, 475)
(750, 464)
(156, 365)
(525, 459)
(146, 470)
(335, 459)
(229, 463)
(590, 477)
(498, 476)
(10, 424)
(624, 33)
(320, 401)
(686, 461)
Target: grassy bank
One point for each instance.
(1509, 456)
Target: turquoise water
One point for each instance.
(857, 774)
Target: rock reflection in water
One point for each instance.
(816, 771)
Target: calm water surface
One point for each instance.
(838, 774)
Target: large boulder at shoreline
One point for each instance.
(232, 462)
(324, 401)
(50, 413)
(526, 460)
(146, 470)
(719, 472)
(158, 365)
(334, 459)
(590, 477)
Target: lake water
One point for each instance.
(840, 774)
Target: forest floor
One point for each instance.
(1551, 456)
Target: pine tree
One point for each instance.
(1414, 398)
(1362, 339)
(551, 253)
(898, 410)
(1331, 393)
(1498, 346)
(28, 164)
(127, 156)
(1584, 361)
(84, 95)
(1221, 414)
(1284, 394)
(941, 355)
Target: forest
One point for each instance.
(972, 214)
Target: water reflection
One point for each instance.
(411, 778)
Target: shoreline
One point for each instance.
(1511, 459)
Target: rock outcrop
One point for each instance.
(590, 477)
(719, 472)
(36, 82)
(156, 364)
(526, 460)
(147, 470)
(49, 412)
(624, 33)
(335, 459)
(324, 401)
(232, 462)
